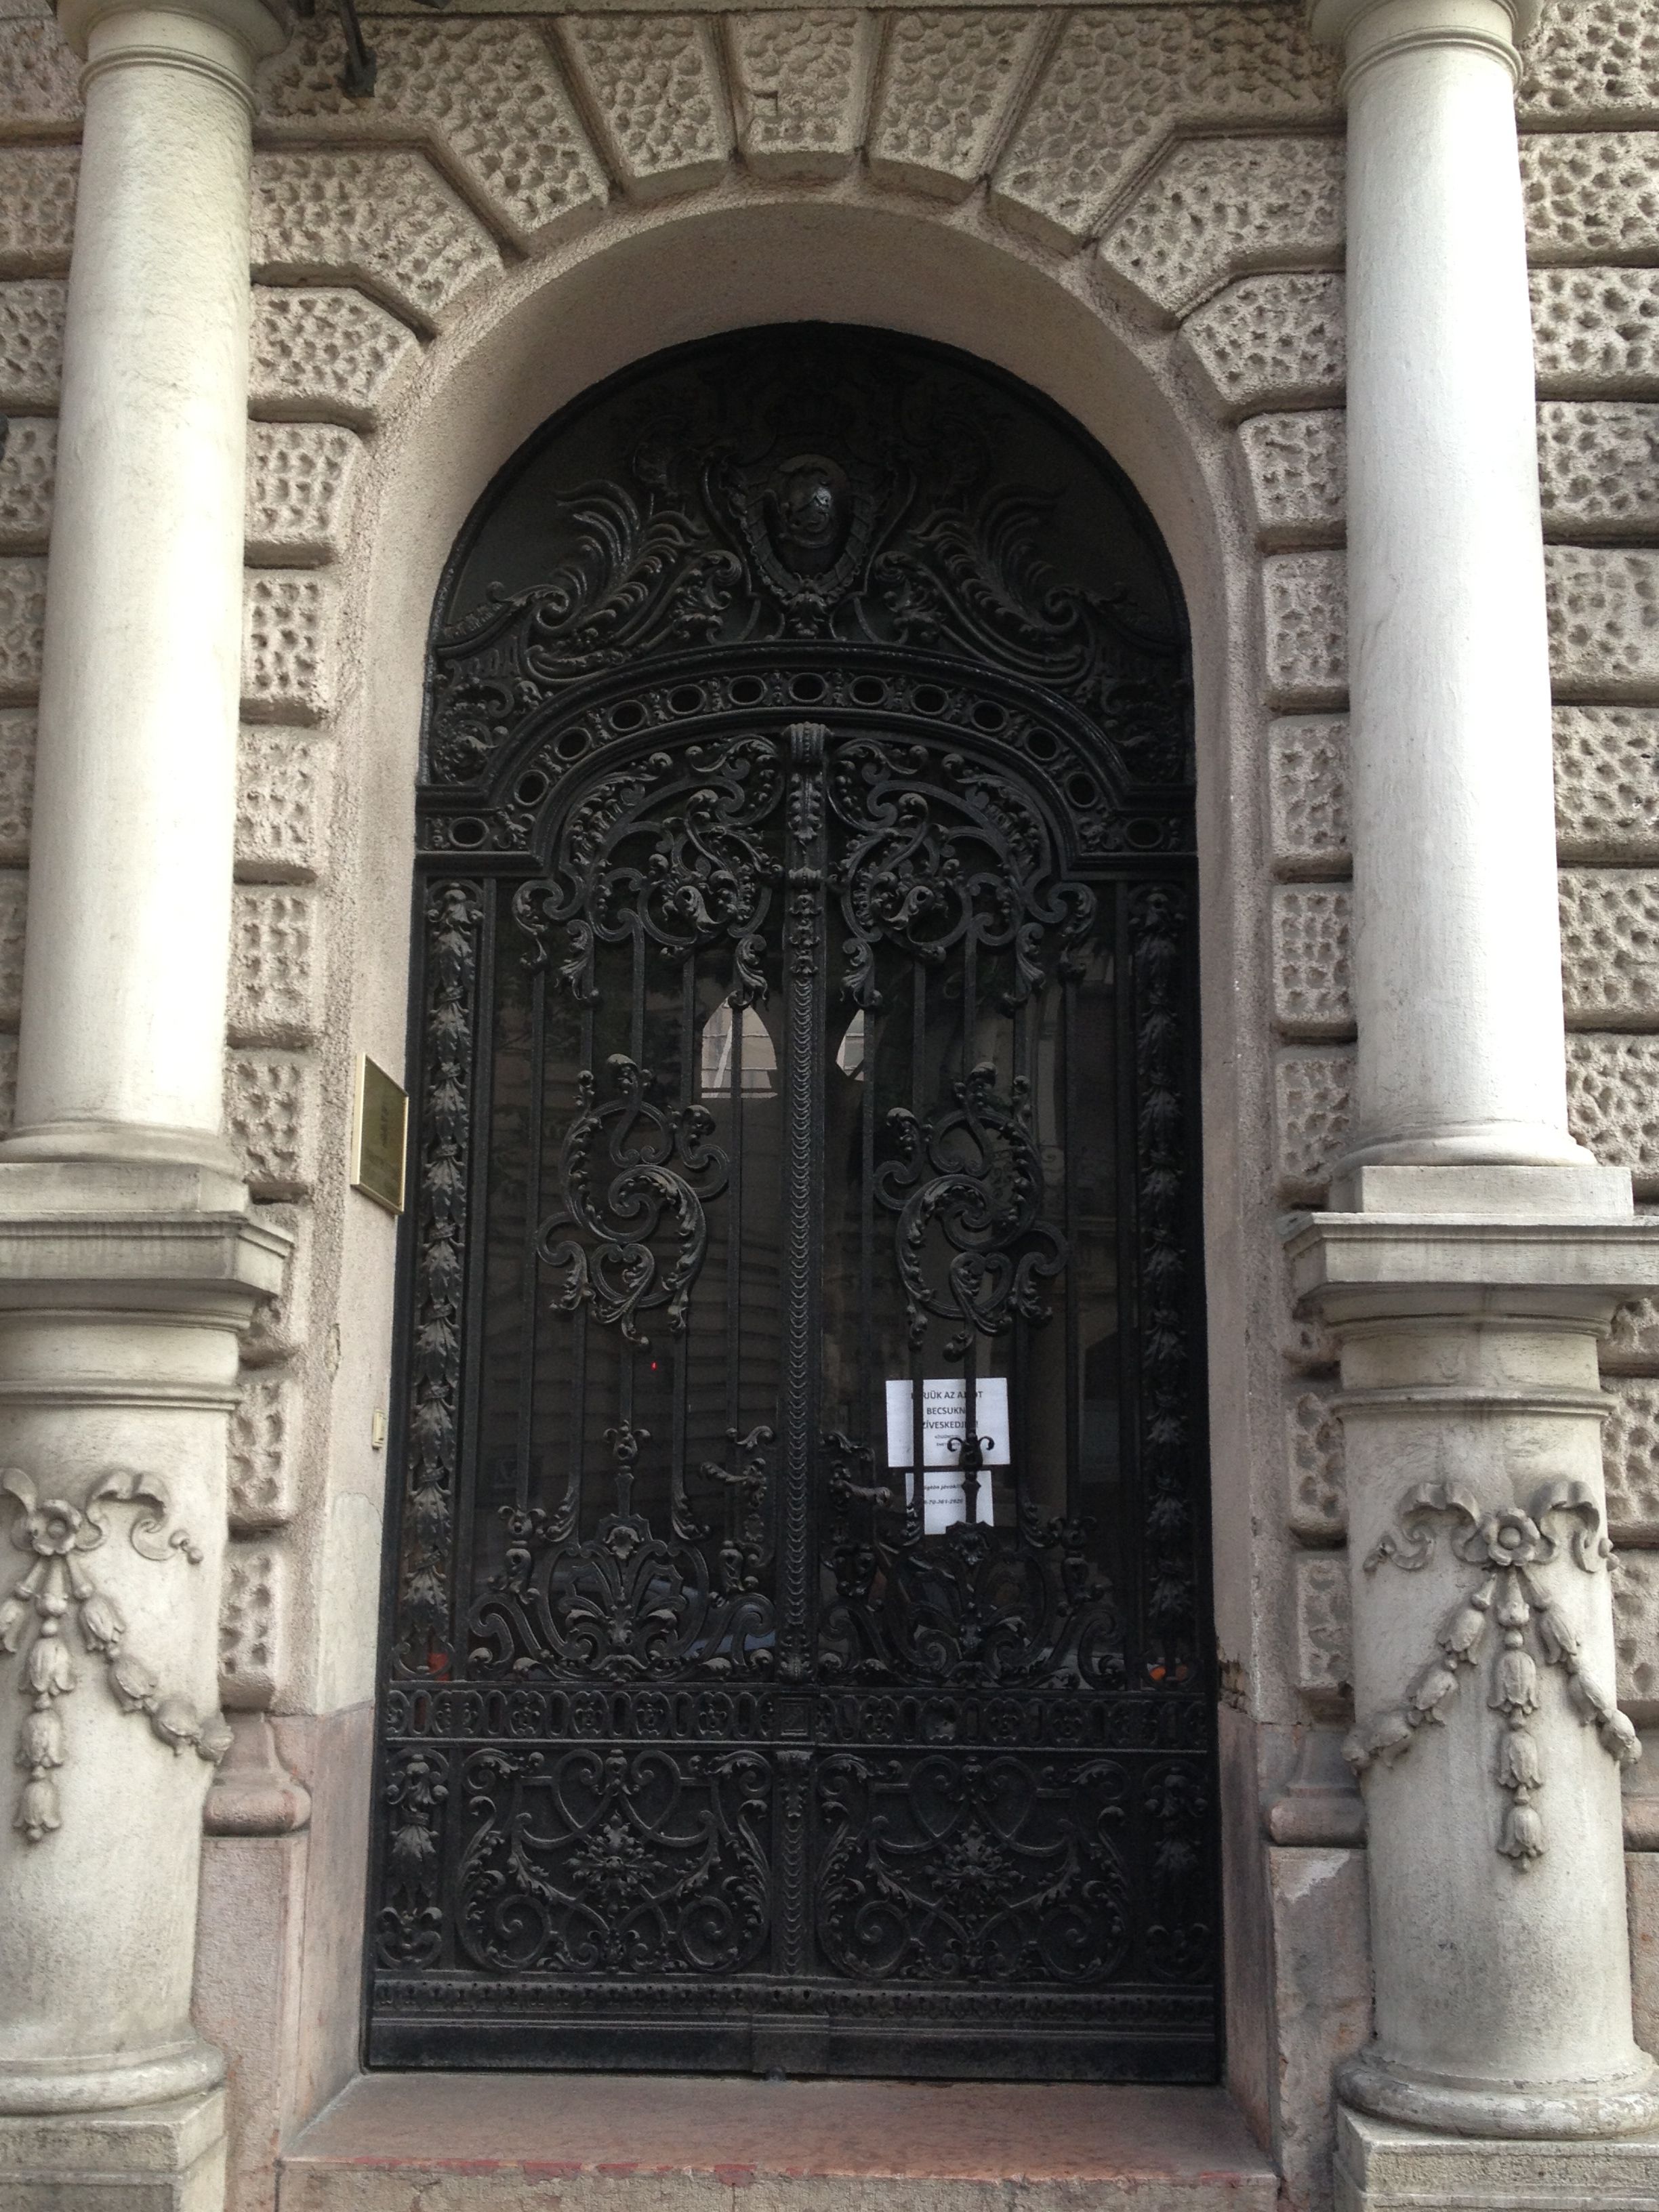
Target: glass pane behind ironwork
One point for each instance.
(796, 1652)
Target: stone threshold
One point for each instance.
(594, 2142)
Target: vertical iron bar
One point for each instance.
(536, 1134)
(481, 1046)
(803, 1303)
(679, 1347)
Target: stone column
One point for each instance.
(1474, 1255)
(122, 1049)
(1455, 929)
(129, 1261)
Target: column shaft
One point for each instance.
(130, 885)
(1456, 951)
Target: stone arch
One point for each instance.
(739, 255)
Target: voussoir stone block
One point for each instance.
(1305, 603)
(31, 342)
(23, 617)
(299, 482)
(1595, 331)
(37, 208)
(1312, 1106)
(1636, 1631)
(1324, 1630)
(654, 82)
(1319, 1497)
(386, 219)
(1214, 208)
(1606, 782)
(1592, 61)
(1610, 947)
(1630, 1459)
(253, 1608)
(284, 778)
(275, 965)
(1598, 466)
(1604, 620)
(40, 78)
(16, 781)
(328, 351)
(1591, 194)
(1307, 794)
(1612, 1102)
(271, 1113)
(1298, 466)
(1272, 341)
(263, 1434)
(1312, 990)
(801, 80)
(488, 97)
(947, 82)
(27, 468)
(287, 627)
(1166, 68)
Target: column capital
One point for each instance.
(182, 34)
(1369, 30)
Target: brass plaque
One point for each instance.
(380, 1136)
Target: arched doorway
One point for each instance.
(797, 1651)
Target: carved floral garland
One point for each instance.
(57, 1534)
(1510, 1545)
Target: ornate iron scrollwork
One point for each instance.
(806, 1032)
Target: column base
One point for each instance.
(109, 2084)
(1382, 2166)
(1620, 2105)
(156, 2158)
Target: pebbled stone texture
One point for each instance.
(1610, 947)
(262, 1436)
(1606, 782)
(1318, 1497)
(16, 781)
(1305, 603)
(1630, 1458)
(1604, 621)
(385, 218)
(1324, 1630)
(1214, 208)
(654, 81)
(271, 1113)
(37, 208)
(284, 781)
(1598, 467)
(1308, 795)
(251, 1609)
(31, 342)
(1165, 67)
(22, 613)
(802, 87)
(1273, 341)
(1312, 983)
(328, 352)
(288, 621)
(1297, 467)
(275, 965)
(1595, 331)
(40, 78)
(1591, 195)
(947, 83)
(1592, 61)
(1612, 1102)
(27, 470)
(487, 97)
(1312, 1103)
(298, 484)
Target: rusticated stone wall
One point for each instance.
(1183, 162)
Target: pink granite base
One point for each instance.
(441, 2142)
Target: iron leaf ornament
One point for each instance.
(1510, 1612)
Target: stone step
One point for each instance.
(528, 2143)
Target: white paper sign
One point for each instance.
(943, 1421)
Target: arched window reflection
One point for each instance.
(748, 1043)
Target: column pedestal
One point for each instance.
(159, 2158)
(1383, 2167)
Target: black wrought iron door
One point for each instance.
(796, 1650)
